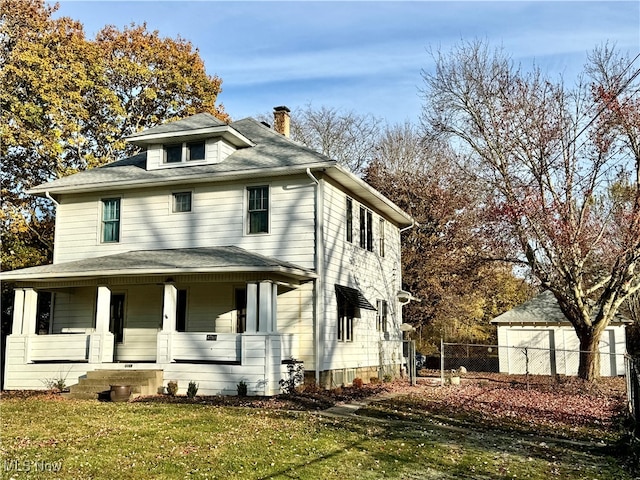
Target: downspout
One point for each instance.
(46, 194)
(57, 204)
(413, 224)
(319, 267)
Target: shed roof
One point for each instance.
(541, 309)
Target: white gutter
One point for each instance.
(318, 260)
(46, 194)
(413, 224)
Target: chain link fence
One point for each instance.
(522, 360)
(632, 366)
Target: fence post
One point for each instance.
(442, 362)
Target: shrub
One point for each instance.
(242, 388)
(172, 388)
(374, 380)
(56, 384)
(387, 378)
(192, 390)
(295, 376)
(357, 382)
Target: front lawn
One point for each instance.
(209, 438)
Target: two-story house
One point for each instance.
(215, 255)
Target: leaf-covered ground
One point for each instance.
(565, 407)
(47, 436)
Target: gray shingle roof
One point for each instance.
(200, 120)
(272, 153)
(170, 261)
(541, 309)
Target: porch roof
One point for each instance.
(226, 259)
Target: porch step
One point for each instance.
(97, 383)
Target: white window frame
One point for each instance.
(185, 152)
(247, 213)
(173, 201)
(101, 232)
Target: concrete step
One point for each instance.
(156, 374)
(97, 383)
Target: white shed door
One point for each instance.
(531, 351)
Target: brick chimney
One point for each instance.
(282, 120)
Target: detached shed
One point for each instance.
(537, 338)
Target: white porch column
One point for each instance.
(170, 307)
(169, 317)
(101, 343)
(274, 308)
(265, 312)
(103, 309)
(252, 308)
(18, 311)
(30, 308)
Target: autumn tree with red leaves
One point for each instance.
(561, 173)
(444, 259)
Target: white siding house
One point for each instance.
(537, 338)
(215, 255)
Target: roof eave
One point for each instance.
(225, 131)
(17, 276)
(179, 179)
(374, 197)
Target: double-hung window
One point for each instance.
(110, 220)
(181, 202)
(258, 209)
(381, 316)
(366, 229)
(349, 220)
(381, 236)
(346, 313)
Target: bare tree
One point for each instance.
(347, 137)
(561, 168)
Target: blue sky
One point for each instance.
(363, 56)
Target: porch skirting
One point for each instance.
(32, 361)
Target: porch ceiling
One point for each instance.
(227, 259)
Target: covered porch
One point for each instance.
(216, 326)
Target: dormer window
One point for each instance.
(184, 152)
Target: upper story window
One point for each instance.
(258, 209)
(349, 220)
(381, 235)
(366, 229)
(184, 152)
(181, 202)
(381, 316)
(110, 220)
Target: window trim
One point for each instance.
(117, 221)
(185, 152)
(382, 316)
(173, 201)
(381, 236)
(346, 314)
(366, 229)
(247, 211)
(349, 219)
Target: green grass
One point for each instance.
(163, 440)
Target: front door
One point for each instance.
(116, 319)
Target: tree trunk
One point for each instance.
(589, 368)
